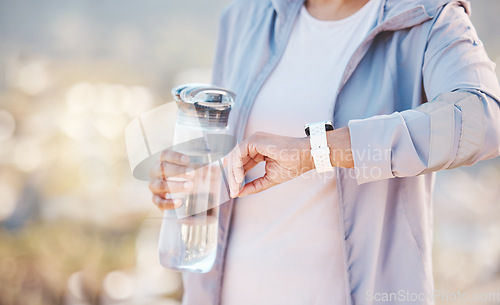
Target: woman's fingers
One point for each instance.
(239, 154)
(257, 185)
(237, 160)
(250, 164)
(242, 158)
(234, 187)
(164, 170)
(166, 204)
(172, 164)
(170, 186)
(174, 157)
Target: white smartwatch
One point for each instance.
(319, 146)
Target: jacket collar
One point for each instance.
(395, 14)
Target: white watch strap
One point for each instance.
(319, 147)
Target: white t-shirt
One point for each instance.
(285, 244)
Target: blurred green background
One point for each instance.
(75, 227)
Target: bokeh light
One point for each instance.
(8, 200)
(118, 285)
(7, 125)
(75, 287)
(28, 155)
(33, 78)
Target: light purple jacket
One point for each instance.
(419, 95)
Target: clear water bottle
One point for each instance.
(188, 237)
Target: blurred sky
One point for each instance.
(146, 40)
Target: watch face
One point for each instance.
(328, 127)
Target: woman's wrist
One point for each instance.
(339, 141)
(307, 162)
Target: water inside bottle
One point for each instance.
(192, 242)
(200, 239)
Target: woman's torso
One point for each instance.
(285, 243)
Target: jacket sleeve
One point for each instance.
(459, 126)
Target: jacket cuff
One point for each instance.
(371, 145)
